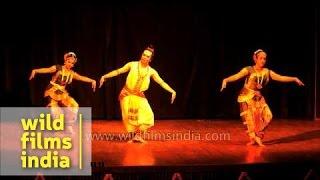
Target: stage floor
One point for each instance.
(202, 149)
(201, 144)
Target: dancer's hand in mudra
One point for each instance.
(33, 73)
(173, 97)
(223, 85)
(93, 85)
(102, 79)
(300, 83)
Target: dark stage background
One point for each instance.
(197, 45)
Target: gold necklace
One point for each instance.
(260, 76)
(140, 78)
(260, 80)
(68, 74)
(139, 74)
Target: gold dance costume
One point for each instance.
(58, 96)
(254, 110)
(136, 111)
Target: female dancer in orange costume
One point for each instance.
(254, 110)
(56, 92)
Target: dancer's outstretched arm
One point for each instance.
(234, 77)
(78, 77)
(155, 76)
(280, 78)
(113, 73)
(51, 69)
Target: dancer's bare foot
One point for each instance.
(131, 136)
(138, 138)
(251, 142)
(69, 130)
(258, 140)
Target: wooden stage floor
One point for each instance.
(204, 145)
